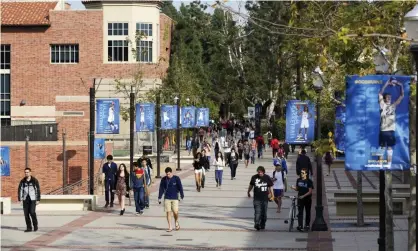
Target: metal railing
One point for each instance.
(35, 130)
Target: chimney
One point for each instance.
(60, 5)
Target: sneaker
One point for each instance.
(137, 213)
(111, 204)
(300, 229)
(257, 227)
(107, 204)
(35, 228)
(141, 212)
(28, 230)
(147, 207)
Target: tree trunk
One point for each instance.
(412, 227)
(389, 212)
(360, 213)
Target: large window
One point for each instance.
(5, 56)
(117, 29)
(5, 99)
(144, 51)
(144, 29)
(117, 50)
(64, 53)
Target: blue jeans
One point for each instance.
(260, 213)
(139, 197)
(109, 186)
(218, 176)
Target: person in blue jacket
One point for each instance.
(109, 170)
(171, 187)
(279, 158)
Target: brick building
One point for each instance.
(50, 55)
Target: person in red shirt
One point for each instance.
(275, 146)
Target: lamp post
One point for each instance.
(158, 101)
(177, 99)
(319, 223)
(411, 26)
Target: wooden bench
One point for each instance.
(367, 193)
(347, 206)
(6, 205)
(67, 203)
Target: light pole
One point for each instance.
(177, 99)
(411, 26)
(319, 223)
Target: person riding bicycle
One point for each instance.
(304, 187)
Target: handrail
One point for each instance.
(69, 188)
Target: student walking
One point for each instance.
(147, 169)
(279, 184)
(329, 159)
(29, 195)
(262, 185)
(240, 147)
(246, 151)
(122, 186)
(138, 178)
(303, 161)
(233, 163)
(189, 145)
(219, 165)
(253, 150)
(171, 187)
(198, 170)
(304, 188)
(109, 170)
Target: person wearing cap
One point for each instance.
(279, 184)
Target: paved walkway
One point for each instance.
(215, 219)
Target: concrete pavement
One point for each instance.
(215, 219)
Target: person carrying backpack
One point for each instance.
(279, 179)
(275, 146)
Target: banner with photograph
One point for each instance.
(99, 148)
(107, 116)
(145, 117)
(5, 161)
(339, 130)
(188, 117)
(202, 115)
(300, 122)
(377, 123)
(168, 117)
(251, 112)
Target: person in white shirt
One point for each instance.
(227, 149)
(279, 184)
(219, 164)
(388, 121)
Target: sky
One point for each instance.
(76, 4)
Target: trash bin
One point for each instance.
(147, 150)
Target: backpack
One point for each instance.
(276, 144)
(283, 179)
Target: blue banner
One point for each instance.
(202, 117)
(188, 117)
(5, 161)
(99, 148)
(168, 117)
(300, 122)
(107, 116)
(145, 117)
(339, 130)
(377, 123)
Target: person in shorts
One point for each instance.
(279, 184)
(246, 152)
(387, 139)
(171, 187)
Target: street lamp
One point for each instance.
(319, 223)
(411, 26)
(177, 100)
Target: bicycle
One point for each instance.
(292, 212)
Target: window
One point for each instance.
(117, 50)
(117, 29)
(4, 95)
(144, 29)
(65, 53)
(144, 51)
(5, 56)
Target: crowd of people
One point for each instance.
(229, 150)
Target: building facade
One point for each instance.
(50, 55)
